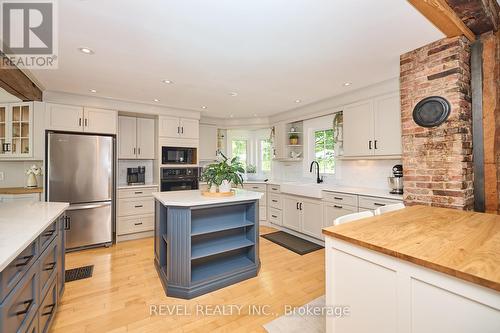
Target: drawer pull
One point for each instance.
(274, 216)
(49, 233)
(274, 188)
(378, 204)
(50, 266)
(338, 198)
(26, 309)
(48, 313)
(274, 200)
(255, 188)
(139, 223)
(138, 206)
(138, 192)
(27, 259)
(336, 206)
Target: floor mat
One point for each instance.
(292, 243)
(79, 273)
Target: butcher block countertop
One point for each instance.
(458, 243)
(20, 190)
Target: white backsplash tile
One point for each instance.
(14, 173)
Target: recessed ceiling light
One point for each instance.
(85, 50)
(167, 81)
(93, 91)
(231, 115)
(347, 84)
(203, 107)
(298, 101)
(255, 114)
(232, 93)
(156, 100)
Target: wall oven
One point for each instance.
(179, 179)
(178, 155)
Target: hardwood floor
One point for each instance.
(125, 285)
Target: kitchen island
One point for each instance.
(31, 264)
(204, 243)
(419, 269)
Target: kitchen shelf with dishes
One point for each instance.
(287, 139)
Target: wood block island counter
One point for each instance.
(419, 269)
(203, 243)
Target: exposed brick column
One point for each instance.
(437, 161)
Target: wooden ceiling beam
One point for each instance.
(443, 17)
(16, 83)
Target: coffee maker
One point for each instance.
(136, 176)
(396, 181)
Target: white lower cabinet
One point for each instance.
(304, 215)
(135, 215)
(262, 202)
(333, 211)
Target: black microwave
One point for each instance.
(178, 155)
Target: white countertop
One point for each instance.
(21, 223)
(371, 192)
(125, 186)
(195, 198)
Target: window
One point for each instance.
(265, 155)
(240, 150)
(324, 150)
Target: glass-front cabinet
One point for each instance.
(16, 130)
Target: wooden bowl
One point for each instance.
(217, 194)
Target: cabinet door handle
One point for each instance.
(375, 144)
(274, 216)
(79, 122)
(274, 188)
(182, 129)
(337, 206)
(86, 122)
(49, 233)
(67, 223)
(301, 206)
(370, 144)
(139, 223)
(50, 266)
(274, 200)
(48, 313)
(26, 309)
(378, 204)
(178, 130)
(138, 206)
(138, 192)
(338, 198)
(297, 205)
(139, 151)
(25, 262)
(134, 151)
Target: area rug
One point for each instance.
(292, 243)
(299, 324)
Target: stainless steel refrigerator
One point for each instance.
(80, 170)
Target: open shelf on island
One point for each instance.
(210, 220)
(224, 264)
(227, 241)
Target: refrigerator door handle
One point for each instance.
(88, 206)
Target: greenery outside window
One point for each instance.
(324, 150)
(240, 150)
(265, 155)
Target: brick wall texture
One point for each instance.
(437, 161)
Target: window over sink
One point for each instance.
(324, 152)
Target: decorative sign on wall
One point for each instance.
(431, 111)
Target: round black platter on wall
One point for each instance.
(431, 111)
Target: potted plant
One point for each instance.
(32, 173)
(294, 139)
(224, 173)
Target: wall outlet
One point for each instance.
(1, 176)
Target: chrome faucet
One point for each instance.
(319, 179)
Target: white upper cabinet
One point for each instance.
(358, 129)
(16, 130)
(79, 119)
(173, 127)
(189, 128)
(208, 143)
(373, 127)
(145, 138)
(279, 141)
(64, 117)
(387, 126)
(127, 137)
(100, 121)
(136, 138)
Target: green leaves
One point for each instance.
(215, 173)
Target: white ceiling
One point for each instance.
(271, 52)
